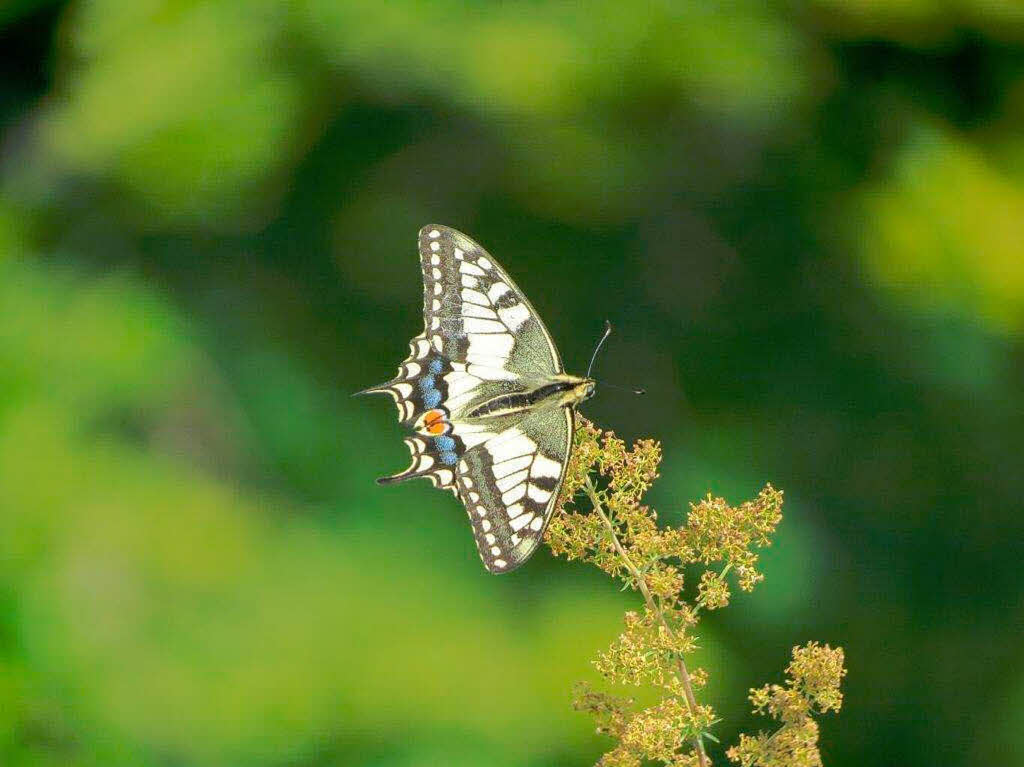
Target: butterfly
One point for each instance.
(484, 391)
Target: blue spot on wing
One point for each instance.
(432, 398)
(449, 458)
(447, 444)
(426, 383)
(436, 366)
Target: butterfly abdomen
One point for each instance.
(567, 390)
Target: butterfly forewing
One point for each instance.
(475, 314)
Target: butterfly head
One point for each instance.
(581, 389)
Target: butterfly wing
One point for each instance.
(474, 313)
(510, 484)
(480, 333)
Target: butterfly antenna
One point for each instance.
(630, 389)
(607, 332)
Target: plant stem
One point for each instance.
(654, 607)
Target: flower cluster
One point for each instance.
(812, 686)
(603, 521)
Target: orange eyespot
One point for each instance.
(434, 423)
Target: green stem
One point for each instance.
(654, 607)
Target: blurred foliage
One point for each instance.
(804, 220)
(925, 242)
(242, 622)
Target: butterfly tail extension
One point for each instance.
(384, 388)
(402, 476)
(427, 462)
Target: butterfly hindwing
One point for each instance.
(419, 391)
(476, 322)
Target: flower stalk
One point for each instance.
(654, 607)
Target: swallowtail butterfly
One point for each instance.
(484, 391)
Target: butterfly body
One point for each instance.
(484, 392)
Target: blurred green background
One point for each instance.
(806, 221)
